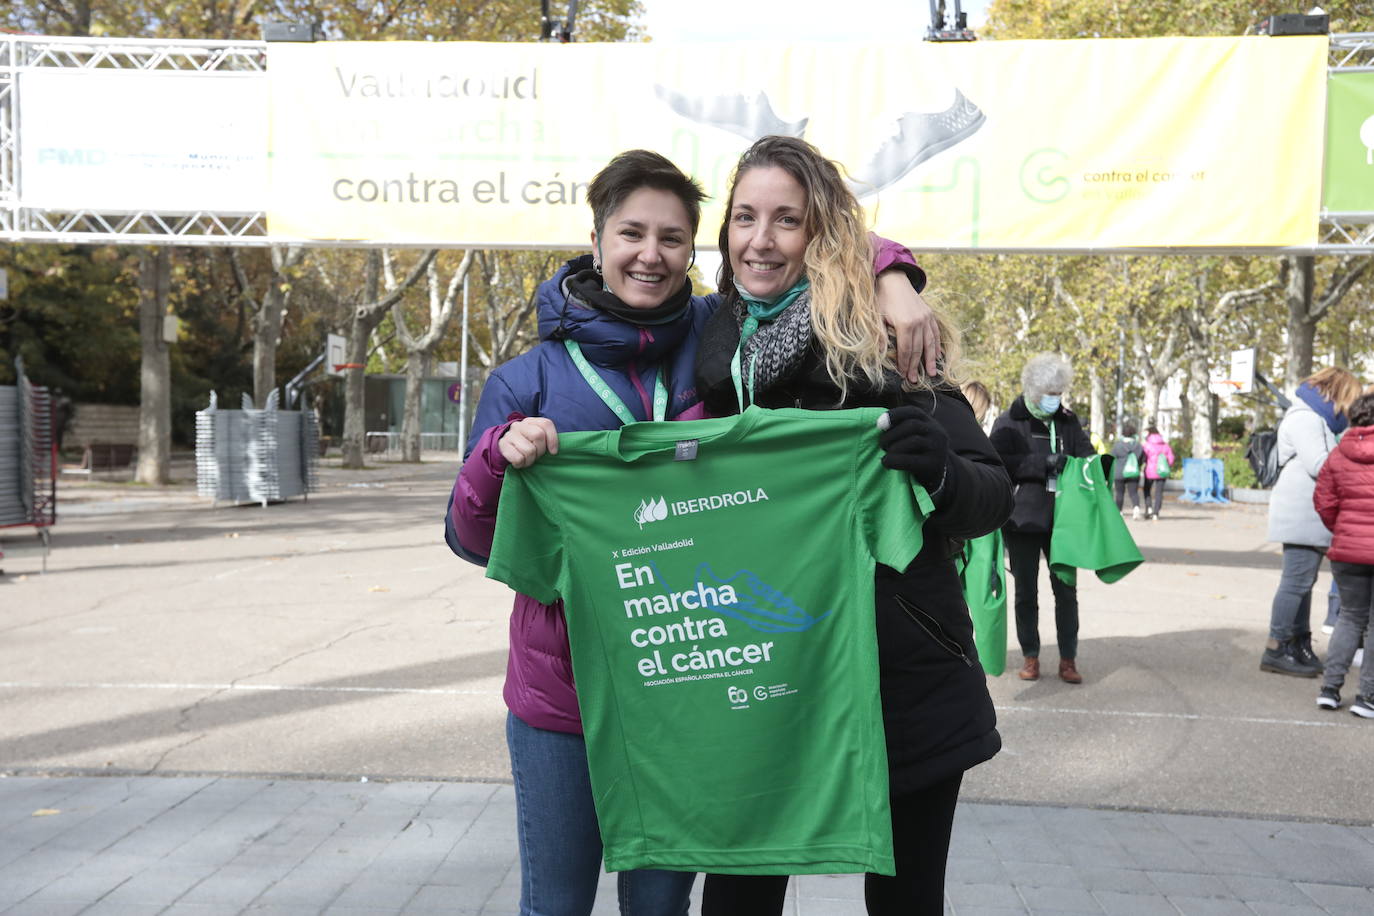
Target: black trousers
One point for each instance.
(1154, 495)
(1023, 552)
(1122, 486)
(921, 826)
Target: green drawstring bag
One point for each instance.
(983, 576)
(1089, 532)
(1130, 468)
(1162, 467)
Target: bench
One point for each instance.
(103, 456)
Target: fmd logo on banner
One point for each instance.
(112, 140)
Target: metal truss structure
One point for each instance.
(1349, 232)
(1340, 233)
(20, 223)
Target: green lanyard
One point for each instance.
(598, 384)
(1054, 446)
(751, 324)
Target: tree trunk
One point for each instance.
(359, 333)
(410, 418)
(1185, 407)
(1149, 413)
(266, 336)
(1201, 402)
(1302, 330)
(155, 377)
(1097, 422)
(354, 386)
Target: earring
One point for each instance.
(596, 265)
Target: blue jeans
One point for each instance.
(560, 842)
(1291, 614)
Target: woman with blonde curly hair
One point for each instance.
(1308, 432)
(800, 328)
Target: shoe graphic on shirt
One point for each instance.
(760, 605)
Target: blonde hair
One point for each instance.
(1336, 385)
(979, 398)
(838, 262)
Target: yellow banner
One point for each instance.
(1084, 144)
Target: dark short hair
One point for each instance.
(1128, 429)
(635, 169)
(1361, 413)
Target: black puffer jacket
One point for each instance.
(1023, 441)
(937, 713)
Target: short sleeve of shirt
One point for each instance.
(892, 506)
(527, 551)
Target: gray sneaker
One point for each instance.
(1329, 698)
(1362, 707)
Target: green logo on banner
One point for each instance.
(1349, 180)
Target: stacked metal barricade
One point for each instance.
(28, 465)
(252, 455)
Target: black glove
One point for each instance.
(1054, 463)
(915, 443)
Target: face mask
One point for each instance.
(1049, 403)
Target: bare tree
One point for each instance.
(269, 310)
(1306, 309)
(155, 376)
(510, 287)
(1156, 356)
(380, 292)
(420, 348)
(1202, 319)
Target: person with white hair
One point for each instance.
(1035, 436)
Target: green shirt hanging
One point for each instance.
(717, 578)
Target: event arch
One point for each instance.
(248, 143)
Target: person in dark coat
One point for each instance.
(1035, 436)
(798, 329)
(1344, 498)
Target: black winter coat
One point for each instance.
(1023, 441)
(937, 714)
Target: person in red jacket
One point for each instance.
(1344, 498)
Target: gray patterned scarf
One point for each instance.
(776, 350)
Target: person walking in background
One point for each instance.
(1306, 435)
(979, 398)
(1156, 471)
(1035, 437)
(1344, 499)
(1128, 460)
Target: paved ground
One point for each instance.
(196, 693)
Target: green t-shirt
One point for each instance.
(717, 578)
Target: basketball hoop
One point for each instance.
(339, 367)
(1224, 387)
